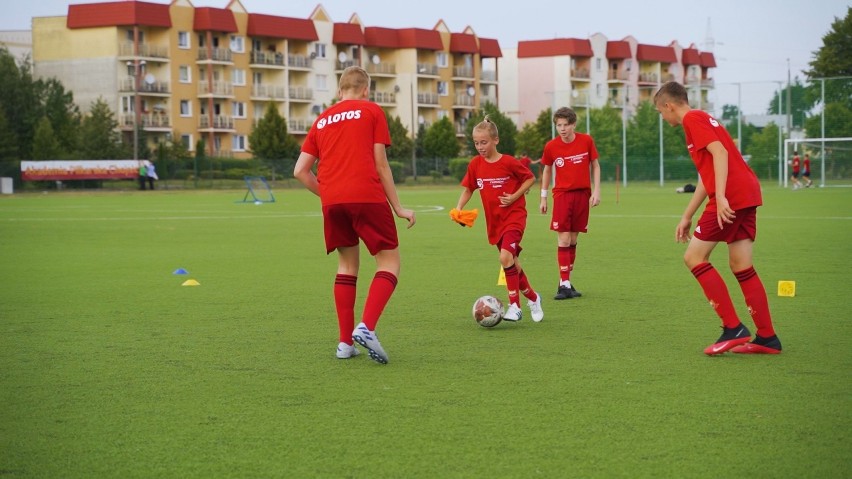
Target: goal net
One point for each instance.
(258, 190)
(831, 160)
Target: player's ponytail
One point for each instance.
(489, 126)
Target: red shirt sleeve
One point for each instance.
(702, 129)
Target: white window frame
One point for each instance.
(319, 50)
(188, 112)
(239, 143)
(188, 70)
(186, 138)
(321, 82)
(442, 59)
(238, 77)
(238, 43)
(184, 39)
(238, 109)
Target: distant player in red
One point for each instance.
(806, 171)
(526, 161)
(569, 158)
(796, 164)
(502, 181)
(730, 216)
(355, 186)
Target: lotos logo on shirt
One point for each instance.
(346, 115)
(714, 122)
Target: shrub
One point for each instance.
(458, 167)
(397, 171)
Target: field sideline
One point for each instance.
(110, 368)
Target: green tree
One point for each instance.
(834, 59)
(9, 161)
(18, 101)
(800, 103)
(99, 139)
(838, 122)
(440, 144)
(401, 143)
(763, 149)
(533, 136)
(730, 113)
(45, 144)
(506, 128)
(57, 104)
(271, 143)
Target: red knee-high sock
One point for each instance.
(755, 298)
(572, 253)
(512, 285)
(563, 259)
(380, 293)
(716, 291)
(524, 285)
(344, 301)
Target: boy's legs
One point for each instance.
(740, 254)
(697, 259)
(348, 262)
(382, 287)
(565, 256)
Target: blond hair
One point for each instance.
(488, 126)
(354, 78)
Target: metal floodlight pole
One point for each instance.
(413, 132)
(822, 135)
(740, 116)
(624, 137)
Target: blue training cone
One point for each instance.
(181, 271)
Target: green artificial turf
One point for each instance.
(110, 368)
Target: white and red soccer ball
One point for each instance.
(488, 311)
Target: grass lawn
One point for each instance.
(110, 368)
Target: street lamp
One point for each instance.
(134, 69)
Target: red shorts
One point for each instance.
(373, 223)
(743, 227)
(571, 211)
(511, 242)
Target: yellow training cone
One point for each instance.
(190, 282)
(787, 288)
(501, 279)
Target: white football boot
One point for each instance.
(535, 309)
(514, 313)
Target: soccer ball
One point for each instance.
(488, 311)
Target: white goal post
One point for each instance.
(817, 145)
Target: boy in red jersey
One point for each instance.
(730, 216)
(796, 164)
(806, 171)
(355, 185)
(568, 158)
(502, 181)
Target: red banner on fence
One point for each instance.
(79, 170)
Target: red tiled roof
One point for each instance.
(281, 27)
(618, 49)
(463, 43)
(556, 47)
(380, 37)
(110, 14)
(420, 38)
(654, 53)
(348, 34)
(708, 60)
(690, 57)
(489, 48)
(214, 19)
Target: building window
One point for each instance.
(185, 108)
(319, 50)
(441, 59)
(322, 82)
(183, 40)
(628, 64)
(141, 36)
(599, 90)
(184, 74)
(598, 64)
(238, 76)
(238, 143)
(186, 141)
(238, 109)
(443, 114)
(238, 44)
(127, 104)
(442, 88)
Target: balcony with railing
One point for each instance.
(618, 76)
(427, 69)
(707, 83)
(693, 79)
(464, 100)
(381, 68)
(383, 97)
(156, 88)
(259, 59)
(580, 99)
(268, 91)
(426, 98)
(489, 76)
(299, 125)
(222, 55)
(649, 77)
(219, 122)
(340, 66)
(146, 50)
(301, 93)
(218, 88)
(580, 74)
(463, 72)
(299, 61)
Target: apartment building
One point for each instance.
(595, 71)
(189, 73)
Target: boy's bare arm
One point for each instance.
(386, 178)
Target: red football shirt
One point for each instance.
(742, 188)
(807, 164)
(796, 163)
(343, 137)
(493, 179)
(570, 162)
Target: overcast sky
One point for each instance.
(753, 38)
